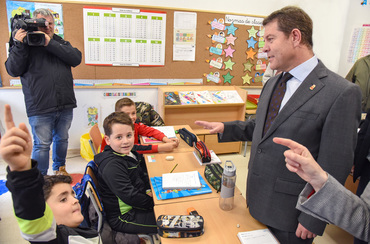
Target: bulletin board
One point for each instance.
(243, 66)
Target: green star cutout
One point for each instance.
(247, 79)
(248, 66)
(252, 32)
(228, 77)
(229, 64)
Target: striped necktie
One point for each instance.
(276, 99)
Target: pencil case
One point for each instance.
(213, 174)
(203, 152)
(188, 137)
(180, 226)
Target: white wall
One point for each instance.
(85, 98)
(333, 21)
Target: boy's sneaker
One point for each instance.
(61, 171)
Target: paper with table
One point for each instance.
(169, 131)
(163, 194)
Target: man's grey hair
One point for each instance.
(43, 11)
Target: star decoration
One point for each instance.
(250, 53)
(231, 29)
(248, 66)
(229, 51)
(228, 77)
(231, 39)
(252, 32)
(229, 64)
(246, 79)
(251, 42)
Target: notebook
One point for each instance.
(183, 180)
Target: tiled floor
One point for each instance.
(9, 231)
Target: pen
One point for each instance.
(173, 168)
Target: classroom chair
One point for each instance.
(147, 115)
(96, 139)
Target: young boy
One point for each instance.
(127, 106)
(46, 208)
(122, 184)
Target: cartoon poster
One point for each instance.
(16, 7)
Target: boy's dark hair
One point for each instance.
(289, 18)
(51, 180)
(116, 118)
(123, 102)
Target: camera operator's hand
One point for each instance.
(47, 37)
(20, 35)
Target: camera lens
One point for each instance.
(35, 39)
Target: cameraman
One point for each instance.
(47, 85)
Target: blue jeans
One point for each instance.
(48, 128)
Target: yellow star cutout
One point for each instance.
(247, 79)
(250, 53)
(252, 32)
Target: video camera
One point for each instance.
(25, 22)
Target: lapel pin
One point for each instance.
(312, 87)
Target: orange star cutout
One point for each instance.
(250, 53)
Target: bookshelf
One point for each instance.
(187, 114)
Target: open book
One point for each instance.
(169, 131)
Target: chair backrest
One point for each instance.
(92, 170)
(94, 198)
(87, 193)
(96, 139)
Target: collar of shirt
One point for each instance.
(299, 73)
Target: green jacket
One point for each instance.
(360, 75)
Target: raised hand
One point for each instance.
(16, 144)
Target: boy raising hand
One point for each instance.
(45, 207)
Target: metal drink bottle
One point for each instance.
(228, 186)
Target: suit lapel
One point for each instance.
(309, 87)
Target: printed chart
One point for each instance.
(124, 37)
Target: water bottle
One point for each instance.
(228, 186)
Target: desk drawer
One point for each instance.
(219, 148)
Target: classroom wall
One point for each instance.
(334, 21)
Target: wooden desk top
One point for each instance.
(186, 162)
(219, 226)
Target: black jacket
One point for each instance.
(122, 183)
(46, 75)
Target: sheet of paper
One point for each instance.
(169, 131)
(263, 236)
(183, 180)
(184, 36)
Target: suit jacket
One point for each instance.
(337, 205)
(323, 115)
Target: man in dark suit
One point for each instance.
(319, 110)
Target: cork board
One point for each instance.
(73, 32)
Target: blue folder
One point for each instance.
(169, 194)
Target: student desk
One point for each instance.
(219, 226)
